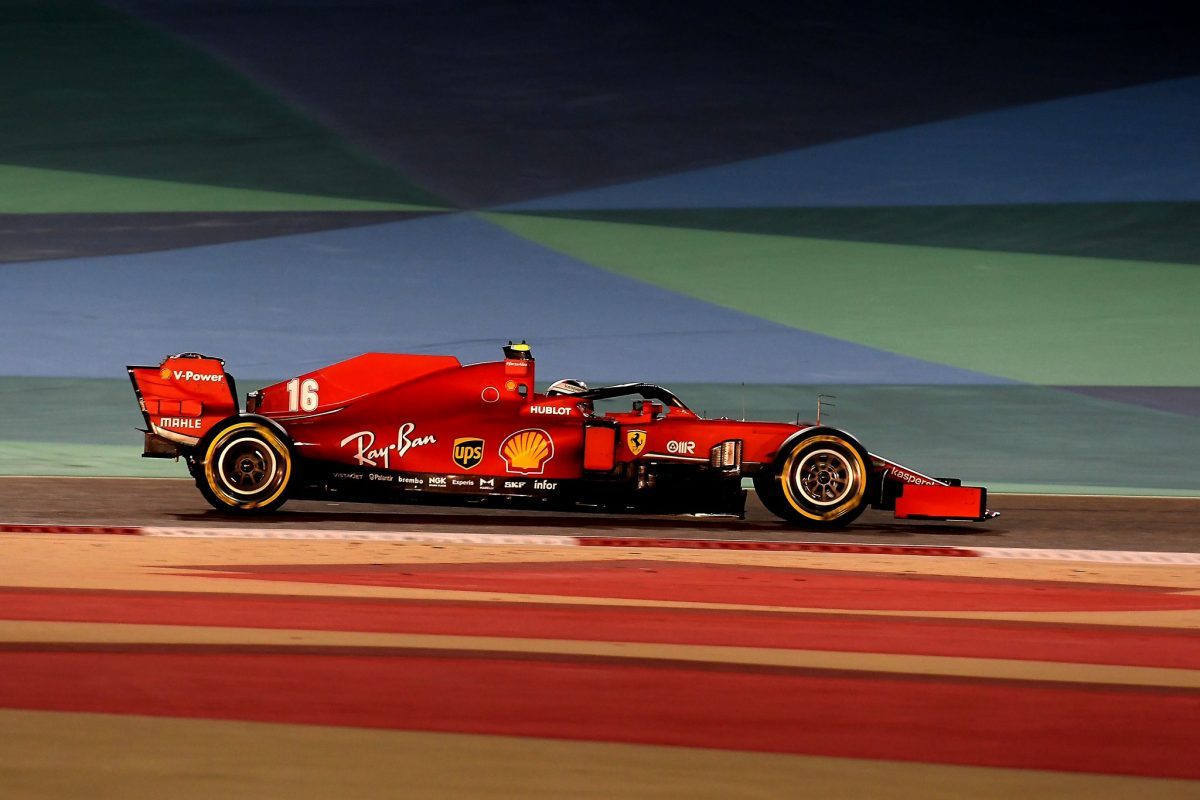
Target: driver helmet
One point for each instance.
(566, 386)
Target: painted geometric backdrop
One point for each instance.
(980, 230)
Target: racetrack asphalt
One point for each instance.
(1032, 521)
(148, 667)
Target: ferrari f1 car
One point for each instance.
(421, 428)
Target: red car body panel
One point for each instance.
(429, 425)
(184, 396)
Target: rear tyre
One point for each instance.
(818, 481)
(244, 467)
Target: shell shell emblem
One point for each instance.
(527, 451)
(164, 373)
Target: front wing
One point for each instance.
(912, 495)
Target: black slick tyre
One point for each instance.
(819, 480)
(244, 466)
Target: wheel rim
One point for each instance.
(246, 466)
(824, 477)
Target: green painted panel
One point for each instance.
(77, 426)
(1016, 436)
(1137, 231)
(1037, 319)
(91, 460)
(69, 411)
(45, 191)
(88, 89)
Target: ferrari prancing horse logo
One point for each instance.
(636, 441)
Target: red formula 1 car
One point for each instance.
(390, 427)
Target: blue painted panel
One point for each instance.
(452, 284)
(1132, 145)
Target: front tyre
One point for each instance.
(245, 467)
(819, 481)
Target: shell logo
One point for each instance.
(527, 451)
(164, 373)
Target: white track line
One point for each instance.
(1096, 556)
(417, 537)
(1034, 554)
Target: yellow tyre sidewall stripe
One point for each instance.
(272, 441)
(857, 462)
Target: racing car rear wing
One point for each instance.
(181, 399)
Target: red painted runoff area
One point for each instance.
(1074, 728)
(733, 584)
(1128, 646)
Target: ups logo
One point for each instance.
(468, 452)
